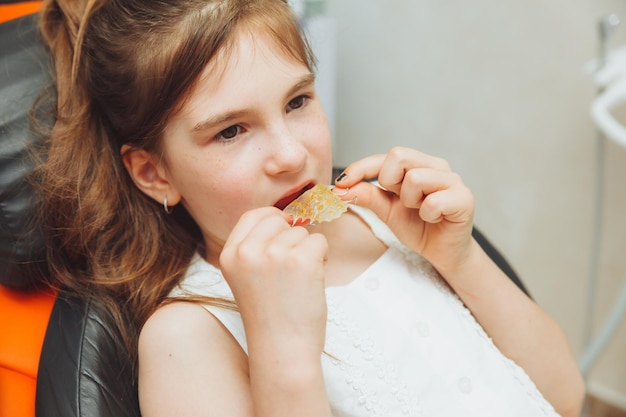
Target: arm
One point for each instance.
(520, 329)
(431, 211)
(276, 273)
(190, 365)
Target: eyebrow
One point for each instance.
(218, 119)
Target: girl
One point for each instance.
(183, 129)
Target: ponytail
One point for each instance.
(62, 25)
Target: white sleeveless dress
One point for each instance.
(399, 343)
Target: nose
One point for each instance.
(288, 153)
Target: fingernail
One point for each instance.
(341, 177)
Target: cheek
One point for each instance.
(209, 186)
(320, 138)
(217, 197)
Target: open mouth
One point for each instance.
(285, 201)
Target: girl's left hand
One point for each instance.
(423, 202)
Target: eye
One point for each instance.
(229, 133)
(297, 102)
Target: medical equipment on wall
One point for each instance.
(609, 74)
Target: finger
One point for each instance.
(362, 170)
(420, 182)
(314, 246)
(452, 205)
(412, 158)
(389, 169)
(373, 168)
(421, 186)
(280, 251)
(399, 161)
(286, 240)
(251, 235)
(369, 195)
(416, 184)
(255, 246)
(250, 219)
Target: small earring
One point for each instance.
(167, 208)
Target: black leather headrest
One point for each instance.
(84, 370)
(23, 73)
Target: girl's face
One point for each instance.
(253, 133)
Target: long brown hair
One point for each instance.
(122, 69)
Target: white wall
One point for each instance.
(498, 89)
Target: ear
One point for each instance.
(149, 175)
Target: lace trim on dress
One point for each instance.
(364, 347)
(386, 235)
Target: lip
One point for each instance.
(292, 195)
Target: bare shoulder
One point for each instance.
(189, 362)
(179, 320)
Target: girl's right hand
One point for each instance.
(276, 273)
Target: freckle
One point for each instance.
(170, 355)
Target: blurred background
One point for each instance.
(502, 90)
